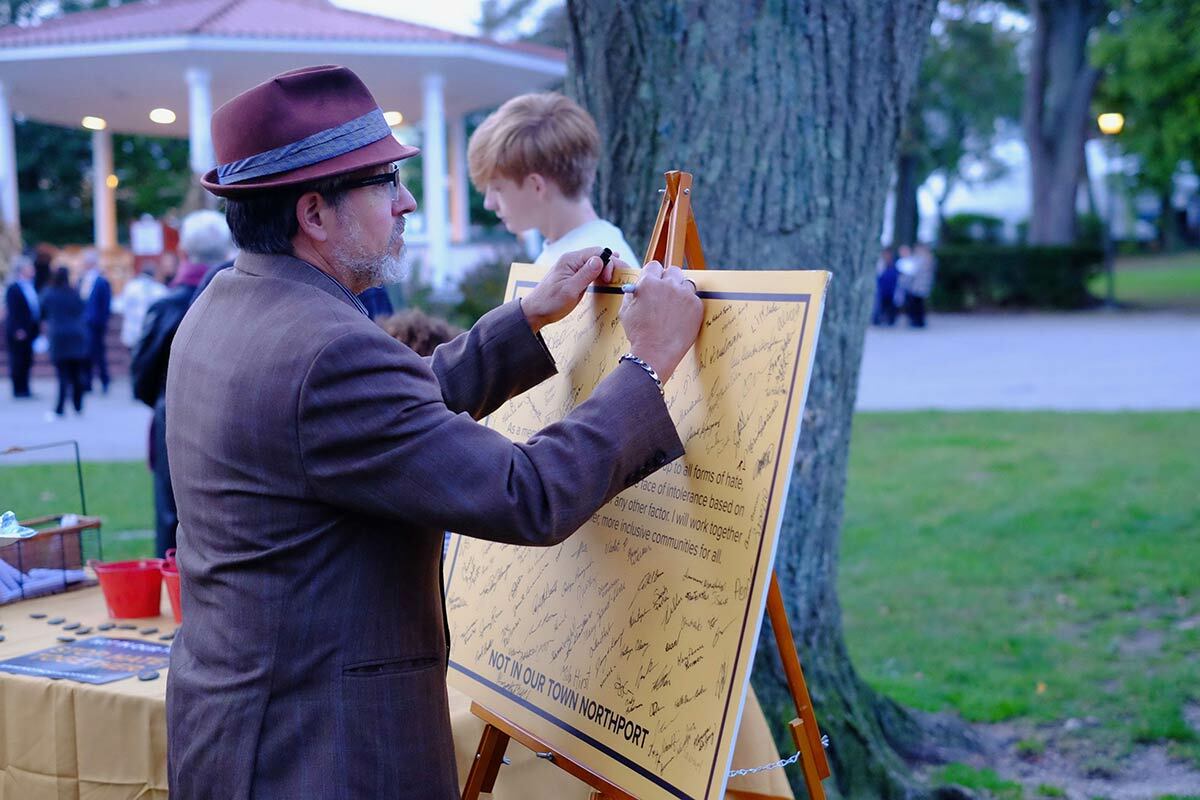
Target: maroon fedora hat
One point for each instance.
(298, 127)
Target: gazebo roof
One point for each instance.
(119, 63)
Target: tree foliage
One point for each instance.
(1150, 59)
(28, 12)
(53, 168)
(54, 164)
(969, 85)
(521, 20)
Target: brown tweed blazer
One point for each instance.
(316, 462)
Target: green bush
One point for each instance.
(1089, 230)
(987, 276)
(961, 229)
(482, 290)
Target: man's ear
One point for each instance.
(313, 214)
(536, 182)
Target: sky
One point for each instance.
(460, 16)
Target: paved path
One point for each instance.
(114, 427)
(1096, 361)
(1091, 360)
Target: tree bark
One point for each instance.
(1057, 112)
(787, 113)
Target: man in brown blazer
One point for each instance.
(316, 461)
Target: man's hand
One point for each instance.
(557, 294)
(662, 317)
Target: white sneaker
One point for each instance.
(50, 416)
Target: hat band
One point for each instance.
(321, 146)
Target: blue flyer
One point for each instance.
(97, 660)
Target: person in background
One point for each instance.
(96, 292)
(418, 330)
(139, 294)
(21, 325)
(43, 258)
(205, 241)
(534, 160)
(377, 303)
(919, 285)
(886, 277)
(67, 329)
(168, 265)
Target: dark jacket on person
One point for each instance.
(148, 363)
(377, 303)
(148, 376)
(63, 313)
(99, 304)
(316, 463)
(886, 282)
(18, 315)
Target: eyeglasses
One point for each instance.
(392, 177)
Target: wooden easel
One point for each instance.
(675, 240)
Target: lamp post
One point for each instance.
(1110, 125)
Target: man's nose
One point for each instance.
(404, 203)
(489, 201)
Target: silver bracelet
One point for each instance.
(648, 369)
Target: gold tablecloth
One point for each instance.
(62, 740)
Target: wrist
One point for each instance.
(535, 320)
(644, 366)
(660, 361)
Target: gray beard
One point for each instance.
(374, 269)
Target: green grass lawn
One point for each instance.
(1004, 565)
(1032, 566)
(1168, 281)
(119, 492)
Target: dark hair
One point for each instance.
(61, 278)
(266, 222)
(418, 330)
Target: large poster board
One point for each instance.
(629, 646)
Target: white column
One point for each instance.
(433, 158)
(460, 199)
(10, 211)
(200, 149)
(104, 201)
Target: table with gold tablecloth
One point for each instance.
(61, 739)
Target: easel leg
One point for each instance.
(812, 776)
(488, 758)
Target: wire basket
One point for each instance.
(64, 542)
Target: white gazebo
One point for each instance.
(160, 67)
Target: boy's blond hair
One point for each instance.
(545, 133)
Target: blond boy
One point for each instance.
(534, 160)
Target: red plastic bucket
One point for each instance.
(132, 589)
(170, 574)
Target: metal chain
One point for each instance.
(781, 763)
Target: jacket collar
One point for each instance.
(295, 269)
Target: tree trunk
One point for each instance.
(1169, 239)
(1057, 113)
(787, 114)
(906, 218)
